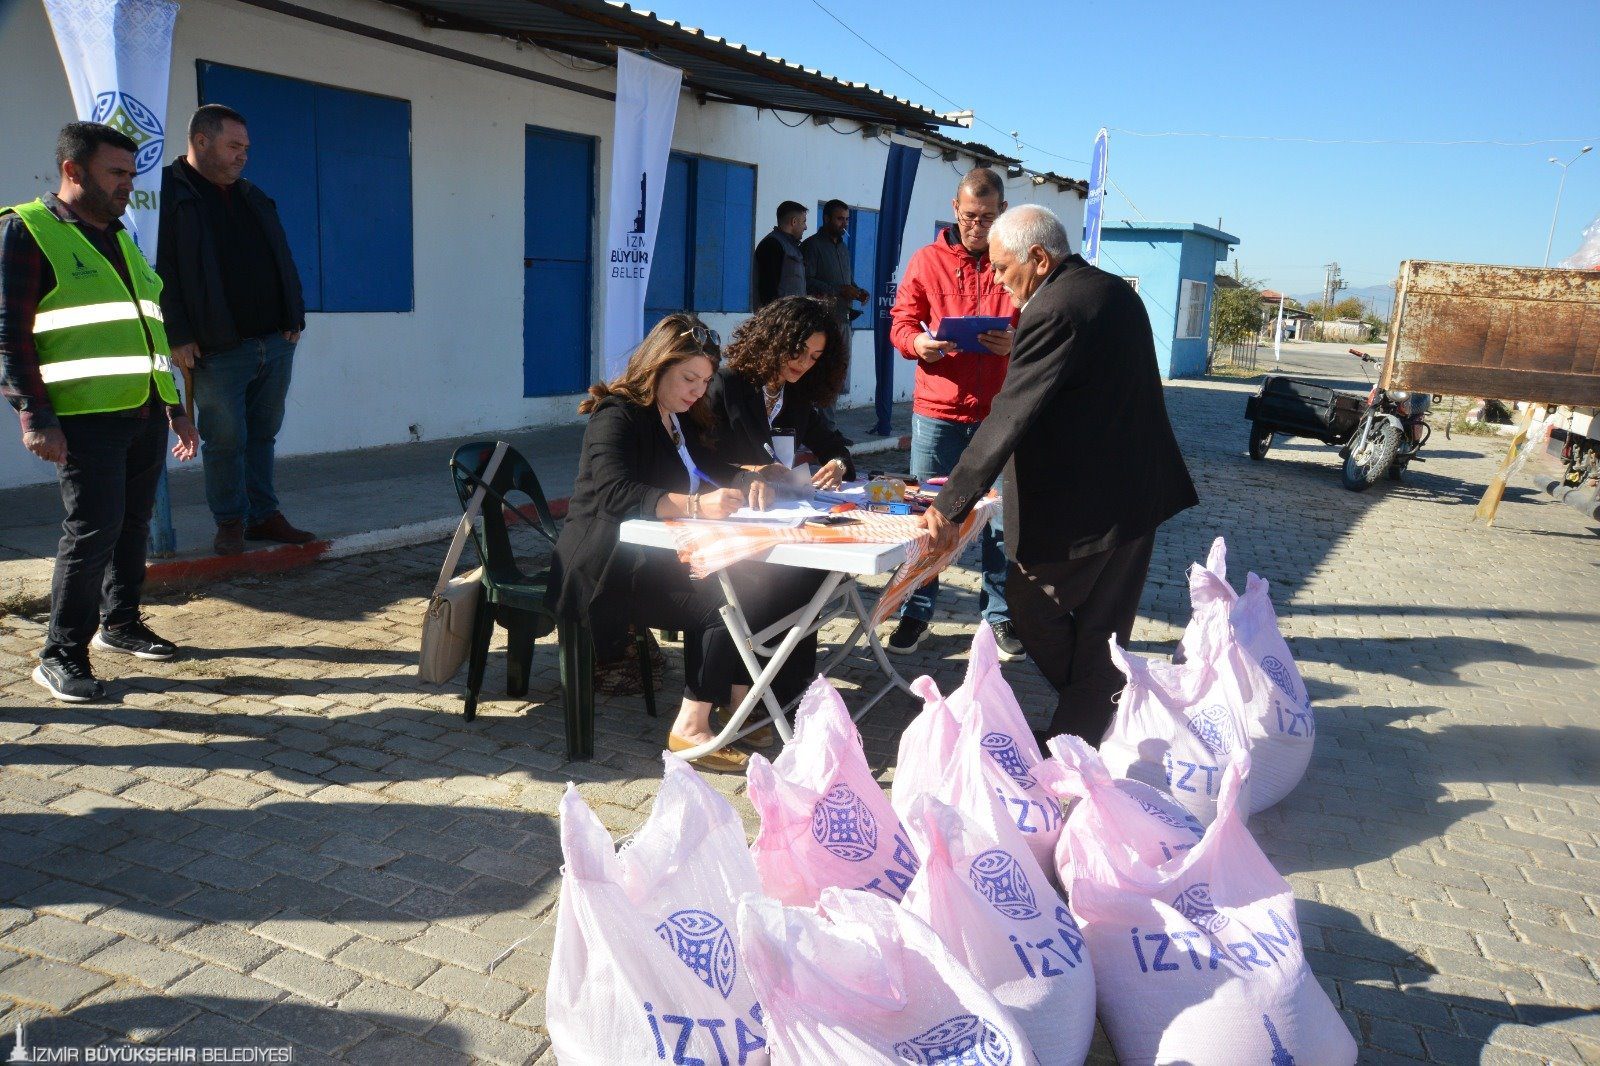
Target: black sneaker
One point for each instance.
(68, 677)
(1005, 638)
(907, 636)
(134, 639)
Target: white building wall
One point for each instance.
(453, 365)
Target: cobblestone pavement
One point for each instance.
(283, 839)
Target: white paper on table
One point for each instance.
(789, 514)
(850, 492)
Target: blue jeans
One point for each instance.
(238, 404)
(936, 447)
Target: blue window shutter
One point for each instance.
(338, 165)
(864, 249)
(710, 232)
(281, 113)
(669, 266)
(558, 195)
(739, 211)
(364, 190)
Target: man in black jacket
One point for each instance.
(1092, 464)
(234, 312)
(780, 264)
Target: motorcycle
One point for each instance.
(1391, 430)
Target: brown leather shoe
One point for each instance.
(276, 527)
(230, 538)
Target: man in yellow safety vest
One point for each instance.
(85, 361)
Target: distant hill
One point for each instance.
(1378, 297)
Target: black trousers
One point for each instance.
(665, 597)
(1065, 615)
(108, 488)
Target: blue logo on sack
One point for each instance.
(1280, 1054)
(127, 115)
(703, 942)
(1281, 677)
(1180, 820)
(1213, 728)
(1195, 904)
(1003, 750)
(965, 1040)
(844, 826)
(999, 879)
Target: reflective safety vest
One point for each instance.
(99, 345)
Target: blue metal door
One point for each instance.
(557, 238)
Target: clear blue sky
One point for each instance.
(1400, 69)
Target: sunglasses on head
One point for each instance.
(704, 336)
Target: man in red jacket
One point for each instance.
(953, 277)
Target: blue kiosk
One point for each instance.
(1173, 265)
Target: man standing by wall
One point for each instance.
(952, 277)
(85, 362)
(1094, 466)
(829, 276)
(780, 264)
(234, 313)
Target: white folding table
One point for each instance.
(839, 595)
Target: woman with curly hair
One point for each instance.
(783, 364)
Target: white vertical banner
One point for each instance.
(118, 55)
(647, 111)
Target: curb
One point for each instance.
(166, 572)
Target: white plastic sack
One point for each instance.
(984, 710)
(927, 748)
(1251, 618)
(825, 821)
(1000, 916)
(1146, 824)
(1197, 960)
(862, 981)
(1176, 726)
(645, 966)
(1239, 636)
(1587, 257)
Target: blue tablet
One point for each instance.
(964, 330)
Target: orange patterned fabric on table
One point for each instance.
(707, 547)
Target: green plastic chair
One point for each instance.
(518, 600)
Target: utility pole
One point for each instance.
(1331, 284)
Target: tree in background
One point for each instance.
(1236, 313)
(1349, 307)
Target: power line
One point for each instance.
(954, 103)
(1345, 140)
(884, 54)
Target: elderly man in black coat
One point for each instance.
(1092, 466)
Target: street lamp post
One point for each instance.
(1559, 190)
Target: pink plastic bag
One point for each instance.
(860, 980)
(1176, 726)
(1197, 959)
(1000, 916)
(927, 748)
(1239, 636)
(1145, 823)
(645, 966)
(1251, 618)
(983, 712)
(825, 821)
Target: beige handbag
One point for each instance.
(447, 625)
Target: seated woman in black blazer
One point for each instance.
(781, 366)
(635, 464)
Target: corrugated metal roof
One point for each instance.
(711, 65)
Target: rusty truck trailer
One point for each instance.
(1510, 333)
